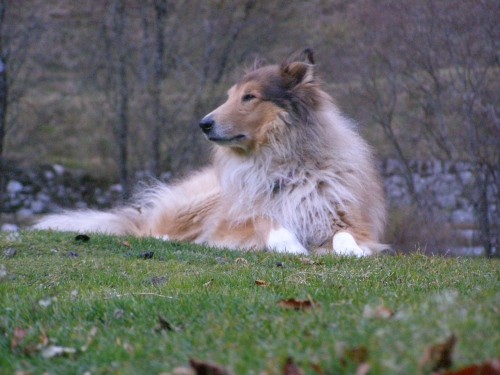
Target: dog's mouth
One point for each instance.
(227, 141)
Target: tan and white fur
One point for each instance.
(289, 174)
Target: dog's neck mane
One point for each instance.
(288, 181)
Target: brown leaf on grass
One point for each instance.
(380, 312)
(438, 357)
(291, 369)
(158, 280)
(262, 283)
(209, 283)
(307, 261)
(241, 261)
(183, 371)
(82, 238)
(357, 355)
(147, 255)
(44, 338)
(317, 369)
(164, 325)
(17, 337)
(56, 351)
(487, 368)
(126, 244)
(90, 337)
(363, 369)
(206, 368)
(297, 305)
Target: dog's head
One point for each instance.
(265, 100)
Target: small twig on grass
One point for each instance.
(138, 294)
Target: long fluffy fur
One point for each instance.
(313, 176)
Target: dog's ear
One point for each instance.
(298, 69)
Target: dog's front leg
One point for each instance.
(261, 233)
(282, 240)
(345, 244)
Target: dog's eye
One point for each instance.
(248, 97)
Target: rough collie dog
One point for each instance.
(289, 174)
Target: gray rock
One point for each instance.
(38, 207)
(10, 252)
(24, 213)
(7, 227)
(59, 169)
(49, 175)
(14, 187)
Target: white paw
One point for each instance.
(284, 241)
(345, 244)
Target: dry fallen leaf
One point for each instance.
(261, 283)
(147, 255)
(158, 280)
(164, 325)
(90, 337)
(46, 302)
(10, 252)
(54, 351)
(126, 244)
(290, 368)
(380, 312)
(17, 337)
(294, 304)
(487, 368)
(128, 347)
(357, 355)
(183, 371)
(44, 338)
(305, 260)
(308, 261)
(206, 368)
(242, 261)
(82, 238)
(209, 283)
(317, 369)
(118, 314)
(363, 369)
(438, 356)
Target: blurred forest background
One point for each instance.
(118, 86)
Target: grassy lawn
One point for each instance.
(101, 301)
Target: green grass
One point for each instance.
(105, 304)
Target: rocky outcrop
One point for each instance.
(50, 188)
(447, 189)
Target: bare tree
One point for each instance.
(221, 33)
(118, 85)
(160, 7)
(4, 88)
(431, 80)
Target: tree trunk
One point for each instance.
(123, 97)
(159, 74)
(4, 89)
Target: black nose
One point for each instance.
(206, 124)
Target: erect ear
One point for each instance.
(296, 72)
